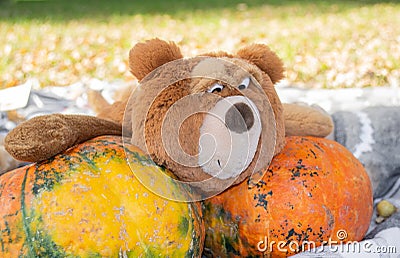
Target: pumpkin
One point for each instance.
(314, 192)
(87, 202)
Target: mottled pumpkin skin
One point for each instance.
(312, 189)
(87, 202)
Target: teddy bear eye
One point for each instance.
(244, 84)
(216, 88)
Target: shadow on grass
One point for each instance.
(62, 10)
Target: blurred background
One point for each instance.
(324, 44)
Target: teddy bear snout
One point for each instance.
(229, 137)
(239, 118)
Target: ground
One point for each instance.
(324, 44)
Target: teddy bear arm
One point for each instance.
(114, 112)
(45, 136)
(304, 120)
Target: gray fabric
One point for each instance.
(5, 124)
(41, 102)
(370, 131)
(334, 100)
(373, 135)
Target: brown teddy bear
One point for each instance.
(213, 120)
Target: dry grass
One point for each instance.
(323, 43)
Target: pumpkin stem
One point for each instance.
(42, 137)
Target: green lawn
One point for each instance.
(323, 43)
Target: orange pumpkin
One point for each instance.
(314, 191)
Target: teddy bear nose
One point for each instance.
(239, 118)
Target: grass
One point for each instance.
(323, 43)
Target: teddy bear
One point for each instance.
(213, 120)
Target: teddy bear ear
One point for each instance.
(147, 56)
(262, 56)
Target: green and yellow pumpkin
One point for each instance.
(87, 202)
(314, 191)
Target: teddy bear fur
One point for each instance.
(152, 109)
(142, 115)
(299, 118)
(44, 136)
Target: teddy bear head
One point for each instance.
(213, 120)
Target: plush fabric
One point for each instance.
(165, 81)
